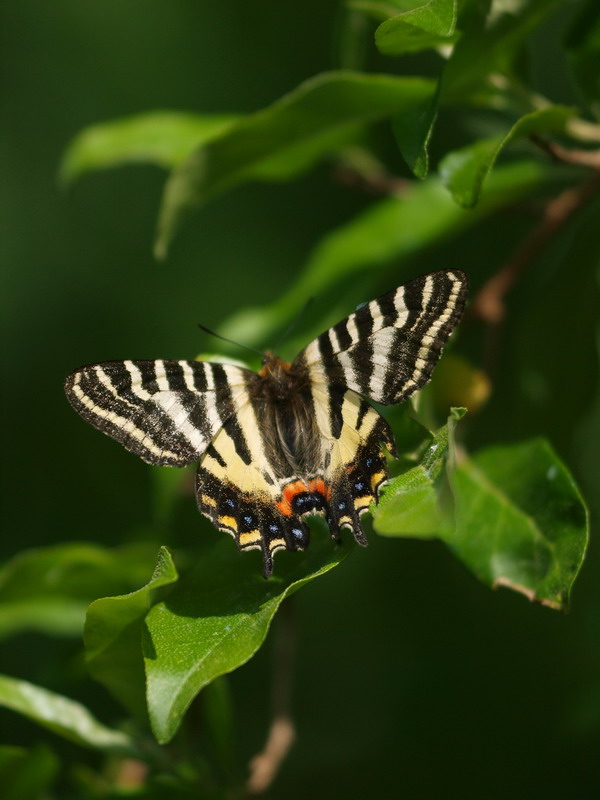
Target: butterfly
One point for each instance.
(293, 439)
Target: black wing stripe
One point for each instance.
(153, 408)
(442, 302)
(175, 376)
(388, 348)
(147, 370)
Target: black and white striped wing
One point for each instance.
(389, 347)
(165, 411)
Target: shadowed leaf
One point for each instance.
(464, 171)
(49, 589)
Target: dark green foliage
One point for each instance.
(453, 133)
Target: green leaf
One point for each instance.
(112, 636)
(317, 109)
(490, 45)
(25, 774)
(215, 620)
(426, 26)
(409, 505)
(63, 716)
(48, 589)
(413, 129)
(520, 520)
(464, 171)
(390, 230)
(163, 138)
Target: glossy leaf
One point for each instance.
(409, 505)
(390, 230)
(426, 26)
(216, 619)
(48, 589)
(163, 138)
(464, 171)
(520, 520)
(26, 774)
(317, 108)
(113, 636)
(63, 716)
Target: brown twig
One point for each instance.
(583, 158)
(489, 302)
(282, 732)
(358, 168)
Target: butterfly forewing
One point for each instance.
(388, 348)
(167, 412)
(294, 439)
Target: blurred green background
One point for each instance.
(412, 677)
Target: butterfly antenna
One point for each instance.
(294, 322)
(229, 341)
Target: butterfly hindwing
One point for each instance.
(246, 486)
(352, 433)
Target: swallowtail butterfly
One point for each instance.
(293, 439)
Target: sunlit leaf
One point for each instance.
(464, 171)
(410, 505)
(422, 27)
(163, 138)
(520, 520)
(316, 109)
(390, 230)
(216, 619)
(113, 636)
(61, 715)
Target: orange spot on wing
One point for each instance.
(287, 496)
(292, 490)
(318, 486)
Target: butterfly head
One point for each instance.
(274, 367)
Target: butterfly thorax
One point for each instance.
(278, 377)
(282, 396)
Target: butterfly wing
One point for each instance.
(354, 467)
(177, 412)
(385, 351)
(267, 463)
(389, 347)
(167, 412)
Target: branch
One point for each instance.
(265, 766)
(583, 158)
(282, 733)
(489, 302)
(358, 168)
